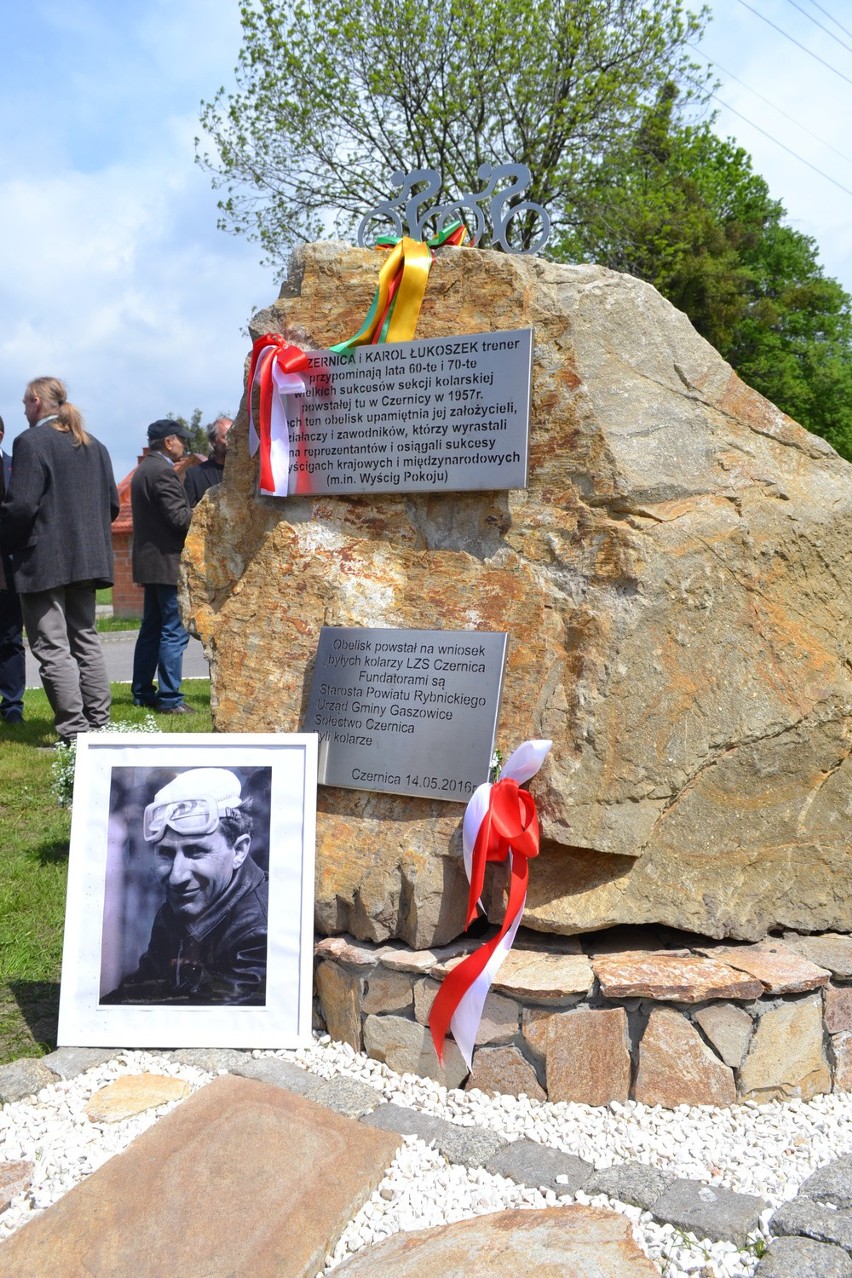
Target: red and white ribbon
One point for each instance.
(500, 823)
(274, 369)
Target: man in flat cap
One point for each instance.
(161, 516)
(209, 938)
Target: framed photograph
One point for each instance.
(190, 906)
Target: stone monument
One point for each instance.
(675, 585)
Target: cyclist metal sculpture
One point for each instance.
(402, 214)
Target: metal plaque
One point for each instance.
(449, 414)
(406, 711)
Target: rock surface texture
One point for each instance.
(675, 584)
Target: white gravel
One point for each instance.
(758, 1149)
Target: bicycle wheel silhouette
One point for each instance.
(525, 208)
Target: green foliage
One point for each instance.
(683, 209)
(65, 757)
(198, 442)
(333, 96)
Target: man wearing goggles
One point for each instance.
(208, 941)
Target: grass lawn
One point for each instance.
(34, 862)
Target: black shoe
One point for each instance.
(13, 719)
(180, 708)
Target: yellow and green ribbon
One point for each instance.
(395, 308)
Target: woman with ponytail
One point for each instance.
(55, 523)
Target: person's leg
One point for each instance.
(13, 666)
(47, 631)
(85, 644)
(147, 650)
(173, 641)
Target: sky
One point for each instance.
(113, 274)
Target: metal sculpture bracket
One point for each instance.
(401, 215)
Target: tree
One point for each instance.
(334, 95)
(684, 209)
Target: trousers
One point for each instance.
(60, 625)
(13, 666)
(159, 650)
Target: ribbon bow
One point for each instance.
(275, 366)
(500, 823)
(395, 308)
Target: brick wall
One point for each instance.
(126, 595)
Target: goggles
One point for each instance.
(196, 816)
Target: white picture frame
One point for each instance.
(113, 894)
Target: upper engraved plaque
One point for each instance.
(447, 414)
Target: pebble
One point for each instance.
(766, 1150)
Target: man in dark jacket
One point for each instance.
(208, 941)
(55, 524)
(161, 515)
(13, 665)
(208, 474)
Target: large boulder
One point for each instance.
(675, 583)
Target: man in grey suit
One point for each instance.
(161, 516)
(55, 524)
(13, 665)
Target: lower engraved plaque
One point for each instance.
(406, 711)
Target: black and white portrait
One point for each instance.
(187, 894)
(189, 918)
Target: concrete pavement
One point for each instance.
(118, 648)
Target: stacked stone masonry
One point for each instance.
(634, 1013)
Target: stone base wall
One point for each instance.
(632, 1014)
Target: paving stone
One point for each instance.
(425, 993)
(25, 1077)
(587, 1056)
(804, 1258)
(830, 1184)
(407, 1048)
(838, 1008)
(540, 1165)
(243, 1179)
(632, 1183)
(216, 1060)
(715, 1213)
(279, 1073)
(832, 950)
(68, 1062)
(470, 1146)
(349, 1096)
(405, 1121)
(133, 1094)
(841, 1047)
(346, 950)
(339, 994)
(786, 1058)
(540, 975)
(729, 1029)
(387, 992)
(583, 1242)
(406, 960)
(15, 1177)
(777, 966)
(807, 1219)
(504, 1071)
(676, 1067)
(672, 978)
